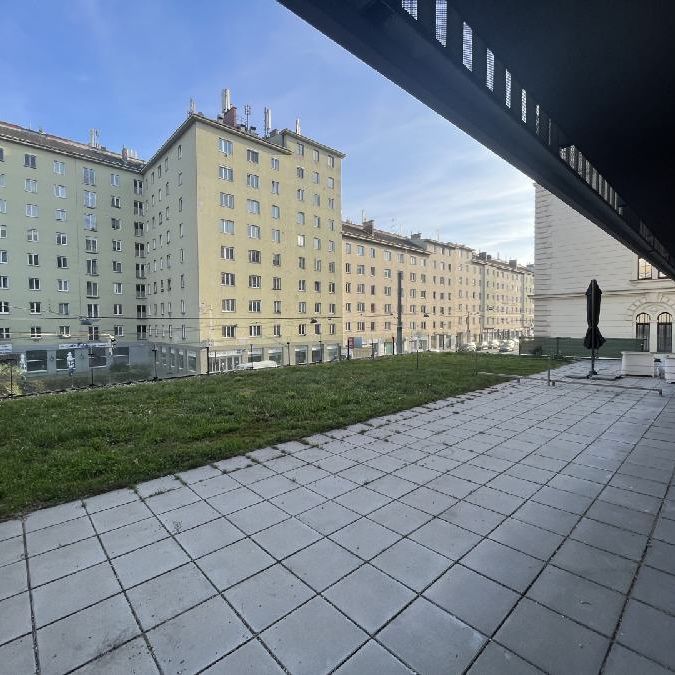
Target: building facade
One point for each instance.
(637, 300)
(223, 248)
(450, 294)
(68, 252)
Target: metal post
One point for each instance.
(418, 353)
(154, 351)
(348, 346)
(288, 344)
(208, 361)
(399, 318)
(11, 381)
(91, 367)
(393, 345)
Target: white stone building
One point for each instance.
(637, 300)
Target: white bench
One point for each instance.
(640, 364)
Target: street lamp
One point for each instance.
(154, 351)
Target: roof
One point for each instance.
(66, 146)
(306, 139)
(380, 237)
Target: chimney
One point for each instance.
(483, 255)
(268, 121)
(416, 236)
(93, 138)
(513, 263)
(230, 116)
(368, 226)
(225, 100)
(297, 126)
(125, 154)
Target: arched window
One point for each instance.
(664, 332)
(642, 330)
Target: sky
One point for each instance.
(129, 69)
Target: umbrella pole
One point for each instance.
(592, 371)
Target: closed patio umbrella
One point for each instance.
(593, 339)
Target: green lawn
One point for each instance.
(65, 446)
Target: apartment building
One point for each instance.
(67, 252)
(226, 242)
(638, 301)
(450, 294)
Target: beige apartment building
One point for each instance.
(225, 243)
(450, 294)
(68, 250)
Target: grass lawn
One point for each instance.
(61, 447)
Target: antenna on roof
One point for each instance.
(268, 121)
(225, 101)
(247, 113)
(192, 107)
(297, 126)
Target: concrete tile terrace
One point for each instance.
(520, 529)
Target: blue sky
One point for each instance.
(129, 69)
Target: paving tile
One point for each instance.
(560, 499)
(267, 596)
(187, 517)
(306, 474)
(594, 564)
(17, 656)
(445, 538)
(284, 463)
(168, 501)
(452, 486)
(257, 517)
(285, 538)
(363, 500)
(414, 565)
(233, 464)
(158, 486)
(332, 486)
(109, 500)
(628, 519)
(399, 517)
(622, 661)
(641, 485)
(273, 486)
(313, 639)
(661, 555)
(531, 473)
(234, 563)
(527, 538)
(475, 474)
(473, 598)
(429, 501)
(10, 529)
(54, 515)
(369, 597)
(431, 641)
(472, 517)
(610, 538)
(578, 599)
(250, 659)
(83, 636)
(215, 486)
(265, 454)
(365, 538)
(120, 516)
(328, 517)
(495, 500)
(234, 500)
(169, 594)
(298, 500)
(199, 474)
(665, 530)
(14, 617)
(62, 597)
(66, 560)
(417, 473)
(132, 658)
(514, 486)
(655, 588)
(649, 632)
(372, 658)
(13, 579)
(251, 474)
(392, 486)
(130, 537)
(388, 464)
(209, 537)
(12, 551)
(631, 500)
(145, 563)
(495, 659)
(577, 485)
(547, 517)
(505, 565)
(322, 564)
(528, 630)
(195, 639)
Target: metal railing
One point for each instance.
(562, 347)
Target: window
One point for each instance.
(90, 221)
(302, 329)
(33, 284)
(317, 244)
(317, 200)
(300, 149)
(91, 245)
(226, 173)
(664, 333)
(301, 263)
(114, 179)
(33, 259)
(227, 226)
(117, 288)
(300, 218)
(255, 306)
(227, 279)
(62, 285)
(331, 202)
(276, 236)
(253, 181)
(117, 266)
(59, 168)
(301, 240)
(276, 212)
(274, 162)
(254, 256)
(229, 331)
(32, 210)
(331, 161)
(61, 261)
(253, 206)
(300, 172)
(252, 156)
(225, 146)
(302, 308)
(35, 308)
(229, 305)
(277, 306)
(254, 232)
(227, 200)
(254, 281)
(32, 235)
(227, 252)
(644, 269)
(92, 267)
(4, 307)
(276, 259)
(115, 202)
(116, 244)
(118, 330)
(30, 161)
(331, 182)
(360, 250)
(4, 282)
(30, 185)
(138, 186)
(642, 322)
(4, 333)
(88, 176)
(3, 206)
(300, 194)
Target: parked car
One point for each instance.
(494, 344)
(257, 365)
(506, 346)
(483, 346)
(467, 347)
